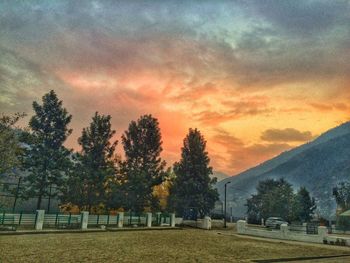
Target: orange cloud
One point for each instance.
(286, 135)
(235, 155)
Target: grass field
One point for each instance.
(187, 245)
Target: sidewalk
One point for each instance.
(77, 231)
(342, 248)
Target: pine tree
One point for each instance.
(193, 187)
(341, 194)
(305, 204)
(9, 143)
(276, 198)
(94, 165)
(143, 167)
(273, 198)
(46, 159)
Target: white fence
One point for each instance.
(40, 220)
(285, 233)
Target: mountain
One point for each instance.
(318, 165)
(220, 175)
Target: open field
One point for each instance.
(187, 245)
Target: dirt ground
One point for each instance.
(187, 245)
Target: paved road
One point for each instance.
(339, 259)
(327, 260)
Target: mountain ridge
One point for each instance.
(299, 165)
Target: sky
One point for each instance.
(256, 77)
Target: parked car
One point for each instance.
(275, 222)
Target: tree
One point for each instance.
(276, 198)
(46, 159)
(273, 198)
(305, 205)
(143, 168)
(10, 148)
(161, 191)
(192, 186)
(93, 166)
(341, 194)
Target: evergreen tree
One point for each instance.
(276, 198)
(273, 198)
(193, 187)
(143, 168)
(305, 204)
(9, 143)
(93, 166)
(46, 159)
(341, 194)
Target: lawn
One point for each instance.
(187, 245)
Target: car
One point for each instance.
(275, 222)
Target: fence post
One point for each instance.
(172, 220)
(20, 218)
(284, 231)
(149, 219)
(322, 233)
(39, 222)
(84, 220)
(120, 219)
(159, 218)
(69, 219)
(56, 220)
(3, 218)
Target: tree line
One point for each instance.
(276, 198)
(95, 178)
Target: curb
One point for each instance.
(39, 232)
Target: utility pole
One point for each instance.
(225, 204)
(49, 201)
(16, 194)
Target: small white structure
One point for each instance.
(39, 222)
(84, 220)
(206, 224)
(120, 219)
(149, 219)
(172, 220)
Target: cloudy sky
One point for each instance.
(256, 77)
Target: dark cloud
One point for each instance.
(128, 58)
(286, 135)
(304, 17)
(21, 81)
(294, 41)
(90, 35)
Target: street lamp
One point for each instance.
(225, 205)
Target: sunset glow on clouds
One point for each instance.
(255, 77)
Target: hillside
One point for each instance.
(318, 165)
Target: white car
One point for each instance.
(275, 222)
